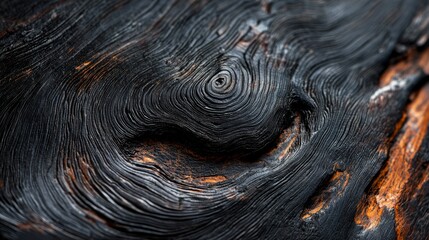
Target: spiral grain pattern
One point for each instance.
(214, 119)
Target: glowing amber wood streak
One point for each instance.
(334, 188)
(394, 176)
(412, 61)
(417, 127)
(404, 151)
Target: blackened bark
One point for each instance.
(214, 119)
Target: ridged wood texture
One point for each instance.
(223, 119)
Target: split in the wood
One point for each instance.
(330, 190)
(397, 173)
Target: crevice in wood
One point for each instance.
(387, 187)
(330, 189)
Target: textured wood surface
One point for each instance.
(223, 119)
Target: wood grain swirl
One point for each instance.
(214, 119)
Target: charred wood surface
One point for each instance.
(214, 119)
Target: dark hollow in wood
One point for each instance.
(214, 119)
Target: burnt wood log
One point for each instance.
(214, 119)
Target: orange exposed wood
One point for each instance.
(369, 213)
(424, 61)
(412, 59)
(390, 183)
(412, 192)
(212, 179)
(404, 150)
(83, 65)
(143, 157)
(333, 188)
